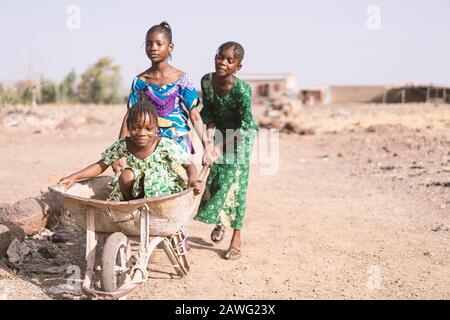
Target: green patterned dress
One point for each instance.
(156, 171)
(224, 201)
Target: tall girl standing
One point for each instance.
(227, 107)
(169, 89)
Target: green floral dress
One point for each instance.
(224, 201)
(156, 171)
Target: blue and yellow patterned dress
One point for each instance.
(173, 102)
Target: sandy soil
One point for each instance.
(359, 210)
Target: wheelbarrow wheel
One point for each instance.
(116, 254)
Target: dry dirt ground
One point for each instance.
(358, 210)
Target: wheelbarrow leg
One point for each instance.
(171, 254)
(178, 244)
(91, 247)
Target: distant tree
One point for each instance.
(2, 94)
(23, 93)
(100, 83)
(48, 92)
(66, 89)
(10, 96)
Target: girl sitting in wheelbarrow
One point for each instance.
(149, 159)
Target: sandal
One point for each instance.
(218, 233)
(233, 253)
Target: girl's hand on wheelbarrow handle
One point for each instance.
(210, 156)
(196, 186)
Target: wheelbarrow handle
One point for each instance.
(203, 174)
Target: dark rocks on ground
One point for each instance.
(61, 236)
(16, 252)
(439, 227)
(445, 184)
(50, 251)
(5, 239)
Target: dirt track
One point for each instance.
(348, 215)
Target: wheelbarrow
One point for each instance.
(134, 229)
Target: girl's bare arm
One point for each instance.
(199, 126)
(191, 171)
(89, 172)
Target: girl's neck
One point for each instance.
(223, 81)
(160, 67)
(144, 151)
(161, 73)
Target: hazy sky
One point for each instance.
(321, 42)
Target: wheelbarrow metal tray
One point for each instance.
(167, 213)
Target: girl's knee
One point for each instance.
(126, 176)
(126, 180)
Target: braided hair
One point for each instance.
(163, 27)
(143, 109)
(237, 48)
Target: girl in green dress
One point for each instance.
(227, 114)
(149, 159)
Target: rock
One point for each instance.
(4, 270)
(50, 251)
(32, 245)
(65, 125)
(387, 168)
(61, 236)
(265, 122)
(26, 216)
(439, 227)
(277, 105)
(290, 126)
(287, 109)
(444, 184)
(17, 251)
(277, 124)
(272, 123)
(273, 113)
(44, 235)
(307, 131)
(5, 239)
(56, 270)
(53, 209)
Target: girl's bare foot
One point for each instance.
(234, 252)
